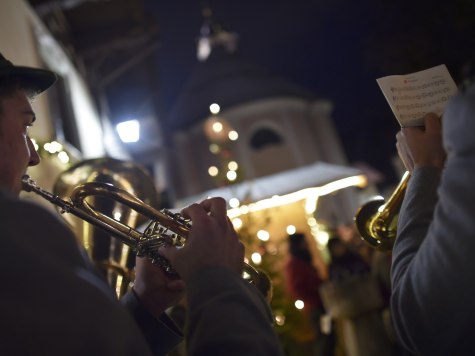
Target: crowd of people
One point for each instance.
(345, 304)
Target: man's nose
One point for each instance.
(34, 157)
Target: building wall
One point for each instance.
(18, 44)
(24, 40)
(301, 133)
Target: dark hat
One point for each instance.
(38, 80)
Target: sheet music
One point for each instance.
(411, 96)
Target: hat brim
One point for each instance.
(34, 79)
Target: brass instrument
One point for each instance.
(164, 228)
(114, 259)
(376, 220)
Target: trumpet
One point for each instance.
(376, 220)
(164, 228)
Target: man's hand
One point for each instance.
(422, 147)
(154, 288)
(212, 241)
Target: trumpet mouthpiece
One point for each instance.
(26, 183)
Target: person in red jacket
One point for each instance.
(303, 283)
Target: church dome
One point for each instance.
(229, 80)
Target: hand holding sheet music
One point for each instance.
(412, 96)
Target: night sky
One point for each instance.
(337, 49)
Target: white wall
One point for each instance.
(18, 44)
(24, 40)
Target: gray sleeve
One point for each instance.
(162, 334)
(227, 316)
(433, 266)
(52, 303)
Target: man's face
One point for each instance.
(17, 152)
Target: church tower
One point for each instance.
(232, 110)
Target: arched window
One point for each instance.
(269, 151)
(265, 137)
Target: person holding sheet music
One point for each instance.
(433, 268)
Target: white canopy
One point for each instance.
(314, 175)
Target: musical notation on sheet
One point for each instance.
(411, 96)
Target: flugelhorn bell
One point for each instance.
(376, 220)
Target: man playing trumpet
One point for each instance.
(53, 303)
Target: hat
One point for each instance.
(35, 79)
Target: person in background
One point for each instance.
(54, 303)
(303, 283)
(344, 262)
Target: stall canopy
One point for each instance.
(317, 175)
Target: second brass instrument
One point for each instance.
(376, 220)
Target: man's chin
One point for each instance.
(17, 189)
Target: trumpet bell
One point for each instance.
(376, 220)
(376, 232)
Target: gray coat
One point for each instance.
(433, 271)
(53, 303)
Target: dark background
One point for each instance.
(336, 49)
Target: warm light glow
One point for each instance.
(256, 258)
(231, 175)
(233, 135)
(124, 255)
(244, 209)
(63, 157)
(323, 237)
(280, 319)
(214, 108)
(311, 221)
(117, 216)
(217, 127)
(234, 202)
(291, 229)
(53, 147)
(204, 48)
(237, 223)
(129, 131)
(263, 235)
(280, 200)
(311, 204)
(118, 284)
(299, 304)
(214, 148)
(213, 171)
(232, 166)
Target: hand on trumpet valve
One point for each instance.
(212, 241)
